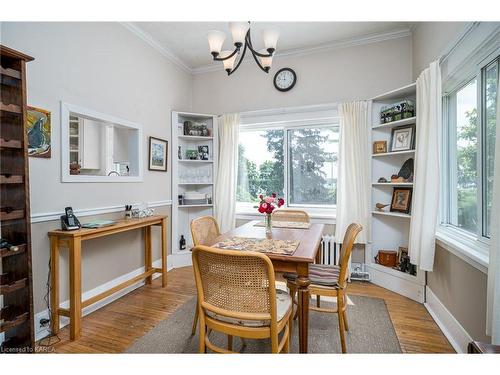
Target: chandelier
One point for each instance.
(240, 32)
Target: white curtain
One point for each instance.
(426, 175)
(353, 183)
(225, 187)
(493, 304)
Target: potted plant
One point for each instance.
(266, 206)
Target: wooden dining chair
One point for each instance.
(237, 297)
(331, 281)
(291, 215)
(204, 231)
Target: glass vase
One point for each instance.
(269, 224)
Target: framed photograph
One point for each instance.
(158, 154)
(402, 252)
(379, 147)
(403, 138)
(203, 152)
(401, 200)
(38, 127)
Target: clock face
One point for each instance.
(285, 79)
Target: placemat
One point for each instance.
(286, 224)
(261, 245)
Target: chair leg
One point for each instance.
(203, 331)
(230, 342)
(318, 300)
(344, 315)
(340, 313)
(195, 320)
(293, 294)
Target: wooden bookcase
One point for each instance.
(16, 291)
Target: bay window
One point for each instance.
(469, 152)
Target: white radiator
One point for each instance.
(329, 250)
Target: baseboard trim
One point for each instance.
(41, 332)
(451, 328)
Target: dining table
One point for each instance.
(307, 252)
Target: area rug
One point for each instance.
(371, 331)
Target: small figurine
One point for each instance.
(381, 206)
(382, 180)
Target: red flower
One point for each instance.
(270, 209)
(262, 209)
(274, 195)
(281, 202)
(261, 197)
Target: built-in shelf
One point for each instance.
(9, 72)
(389, 125)
(195, 137)
(19, 284)
(196, 183)
(394, 272)
(392, 184)
(394, 153)
(194, 205)
(393, 214)
(400, 93)
(195, 161)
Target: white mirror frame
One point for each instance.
(66, 109)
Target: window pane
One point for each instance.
(464, 209)
(260, 164)
(313, 165)
(490, 112)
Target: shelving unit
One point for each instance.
(390, 230)
(16, 301)
(191, 176)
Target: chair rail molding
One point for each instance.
(49, 216)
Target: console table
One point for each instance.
(72, 240)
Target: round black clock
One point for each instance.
(285, 79)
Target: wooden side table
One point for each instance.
(72, 240)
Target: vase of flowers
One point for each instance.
(266, 206)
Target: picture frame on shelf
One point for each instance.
(158, 154)
(379, 147)
(402, 252)
(401, 200)
(203, 151)
(403, 138)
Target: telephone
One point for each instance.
(69, 221)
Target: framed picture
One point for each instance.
(401, 200)
(403, 138)
(203, 152)
(402, 252)
(158, 154)
(379, 147)
(38, 127)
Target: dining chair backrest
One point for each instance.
(297, 216)
(238, 284)
(204, 230)
(347, 246)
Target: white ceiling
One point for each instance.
(187, 42)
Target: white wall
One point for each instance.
(351, 73)
(431, 40)
(104, 67)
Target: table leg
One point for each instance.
(148, 261)
(54, 284)
(75, 281)
(303, 306)
(164, 252)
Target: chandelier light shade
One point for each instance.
(215, 41)
(240, 32)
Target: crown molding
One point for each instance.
(157, 46)
(351, 42)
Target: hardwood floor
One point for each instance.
(116, 326)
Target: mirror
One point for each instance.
(98, 147)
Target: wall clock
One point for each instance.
(285, 79)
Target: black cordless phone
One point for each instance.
(69, 221)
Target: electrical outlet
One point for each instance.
(44, 322)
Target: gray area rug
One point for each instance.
(371, 331)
